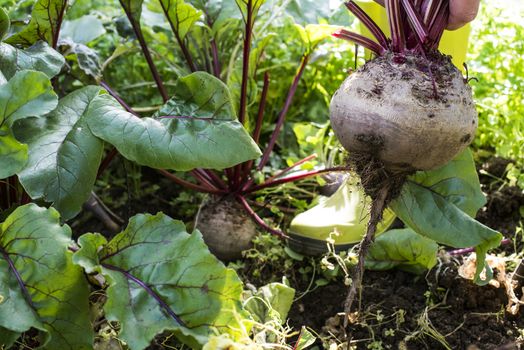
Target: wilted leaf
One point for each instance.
(272, 301)
(162, 278)
(87, 58)
(44, 25)
(402, 248)
(201, 132)
(41, 286)
(63, 153)
(40, 57)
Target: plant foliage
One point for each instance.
(180, 288)
(40, 286)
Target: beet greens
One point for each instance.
(407, 110)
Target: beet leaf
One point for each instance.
(26, 94)
(40, 287)
(64, 155)
(46, 20)
(40, 57)
(404, 249)
(197, 128)
(162, 278)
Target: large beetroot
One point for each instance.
(408, 109)
(411, 112)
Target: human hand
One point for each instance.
(462, 12)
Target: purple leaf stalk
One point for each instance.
(239, 180)
(416, 26)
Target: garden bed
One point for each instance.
(438, 310)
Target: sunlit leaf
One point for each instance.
(46, 18)
(457, 181)
(432, 215)
(314, 34)
(181, 15)
(270, 302)
(133, 8)
(13, 154)
(255, 6)
(41, 287)
(402, 248)
(162, 278)
(305, 339)
(197, 128)
(27, 94)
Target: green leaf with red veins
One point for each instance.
(133, 8)
(270, 302)
(64, 155)
(314, 34)
(181, 15)
(254, 5)
(40, 57)
(163, 279)
(40, 287)
(196, 129)
(218, 13)
(46, 19)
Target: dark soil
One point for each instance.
(503, 207)
(398, 310)
(403, 311)
(438, 311)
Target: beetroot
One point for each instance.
(408, 109)
(226, 228)
(411, 112)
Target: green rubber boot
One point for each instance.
(345, 213)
